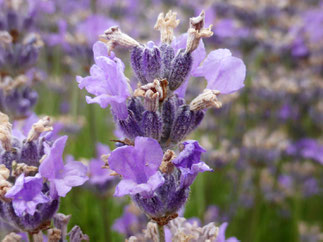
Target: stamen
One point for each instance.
(167, 165)
(166, 25)
(5, 38)
(5, 132)
(206, 99)
(114, 37)
(196, 32)
(43, 125)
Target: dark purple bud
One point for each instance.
(151, 125)
(130, 126)
(136, 106)
(181, 66)
(28, 56)
(151, 63)
(12, 21)
(136, 63)
(7, 157)
(197, 119)
(182, 123)
(167, 54)
(168, 115)
(28, 22)
(29, 154)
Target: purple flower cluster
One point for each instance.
(19, 50)
(33, 174)
(154, 118)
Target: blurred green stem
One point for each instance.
(253, 236)
(30, 237)
(161, 233)
(106, 224)
(296, 215)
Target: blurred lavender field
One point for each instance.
(265, 144)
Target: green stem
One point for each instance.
(161, 233)
(106, 222)
(30, 237)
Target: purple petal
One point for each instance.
(137, 163)
(128, 187)
(222, 71)
(190, 155)
(53, 161)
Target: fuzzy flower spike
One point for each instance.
(157, 167)
(32, 174)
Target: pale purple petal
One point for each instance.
(138, 166)
(129, 187)
(190, 155)
(53, 161)
(138, 162)
(107, 82)
(222, 71)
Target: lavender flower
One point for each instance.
(62, 177)
(107, 82)
(138, 166)
(155, 118)
(26, 194)
(28, 201)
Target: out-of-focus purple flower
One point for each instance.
(97, 174)
(26, 194)
(93, 26)
(227, 28)
(221, 235)
(222, 71)
(107, 82)
(138, 166)
(189, 163)
(62, 177)
(131, 222)
(307, 148)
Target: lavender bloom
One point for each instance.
(138, 166)
(307, 148)
(157, 182)
(26, 200)
(26, 194)
(107, 82)
(158, 195)
(62, 177)
(131, 222)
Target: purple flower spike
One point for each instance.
(107, 82)
(222, 71)
(26, 194)
(62, 177)
(189, 163)
(138, 166)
